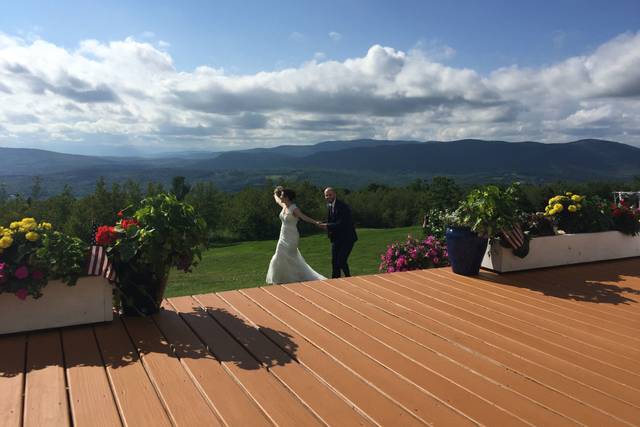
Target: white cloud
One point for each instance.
(129, 92)
(335, 36)
(297, 37)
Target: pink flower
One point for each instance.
(37, 274)
(21, 272)
(22, 293)
(3, 266)
(436, 260)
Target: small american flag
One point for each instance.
(515, 236)
(99, 264)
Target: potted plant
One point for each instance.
(41, 280)
(161, 234)
(485, 213)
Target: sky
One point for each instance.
(145, 77)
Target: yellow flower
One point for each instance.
(14, 225)
(32, 236)
(572, 208)
(28, 220)
(576, 198)
(578, 206)
(6, 242)
(558, 207)
(46, 225)
(568, 193)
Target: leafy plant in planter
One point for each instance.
(163, 233)
(31, 254)
(485, 213)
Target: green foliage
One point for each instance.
(168, 233)
(489, 210)
(63, 256)
(435, 223)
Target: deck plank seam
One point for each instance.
(482, 355)
(190, 375)
(326, 352)
(227, 371)
(109, 379)
(522, 342)
(428, 393)
(344, 398)
(451, 360)
(511, 316)
(268, 369)
(417, 362)
(530, 307)
(498, 347)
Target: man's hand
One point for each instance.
(322, 225)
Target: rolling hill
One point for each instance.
(344, 163)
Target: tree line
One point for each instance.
(251, 213)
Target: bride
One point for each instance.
(287, 264)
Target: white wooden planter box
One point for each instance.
(89, 301)
(549, 251)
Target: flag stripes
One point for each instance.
(515, 236)
(99, 264)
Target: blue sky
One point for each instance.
(253, 36)
(448, 60)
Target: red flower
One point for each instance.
(106, 235)
(22, 293)
(128, 222)
(120, 214)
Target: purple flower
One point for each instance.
(21, 272)
(3, 266)
(436, 260)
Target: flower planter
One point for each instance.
(465, 249)
(550, 251)
(89, 301)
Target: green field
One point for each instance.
(244, 265)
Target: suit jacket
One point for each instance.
(340, 226)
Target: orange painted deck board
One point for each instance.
(557, 346)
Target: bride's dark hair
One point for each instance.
(289, 194)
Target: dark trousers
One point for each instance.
(339, 254)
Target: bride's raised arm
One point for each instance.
(277, 192)
(298, 213)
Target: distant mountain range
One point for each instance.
(341, 163)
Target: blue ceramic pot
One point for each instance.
(466, 250)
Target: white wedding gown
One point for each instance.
(287, 264)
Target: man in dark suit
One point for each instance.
(341, 231)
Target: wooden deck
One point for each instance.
(551, 347)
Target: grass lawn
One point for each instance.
(244, 265)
